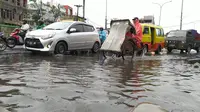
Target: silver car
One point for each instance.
(60, 37)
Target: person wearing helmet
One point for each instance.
(41, 25)
(102, 35)
(138, 28)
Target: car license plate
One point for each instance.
(31, 43)
(172, 45)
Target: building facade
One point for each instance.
(70, 16)
(69, 10)
(12, 11)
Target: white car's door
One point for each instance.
(76, 37)
(90, 36)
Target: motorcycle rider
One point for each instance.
(24, 28)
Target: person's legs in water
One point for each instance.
(137, 41)
(102, 41)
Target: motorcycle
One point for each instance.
(3, 42)
(15, 38)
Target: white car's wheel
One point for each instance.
(61, 48)
(95, 47)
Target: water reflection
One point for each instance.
(81, 83)
(133, 78)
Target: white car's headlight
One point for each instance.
(27, 34)
(183, 42)
(48, 36)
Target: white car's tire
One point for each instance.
(96, 47)
(61, 48)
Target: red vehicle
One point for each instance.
(15, 38)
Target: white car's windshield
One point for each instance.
(177, 34)
(57, 26)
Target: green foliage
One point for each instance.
(40, 8)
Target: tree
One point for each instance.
(45, 11)
(56, 10)
(36, 10)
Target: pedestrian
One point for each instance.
(138, 28)
(102, 35)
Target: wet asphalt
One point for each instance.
(86, 83)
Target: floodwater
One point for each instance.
(40, 83)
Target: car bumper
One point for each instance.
(176, 46)
(35, 49)
(39, 45)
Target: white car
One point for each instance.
(60, 37)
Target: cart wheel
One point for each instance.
(127, 49)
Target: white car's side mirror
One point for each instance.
(72, 30)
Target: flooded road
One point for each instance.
(33, 83)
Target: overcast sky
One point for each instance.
(95, 10)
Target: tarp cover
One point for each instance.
(116, 36)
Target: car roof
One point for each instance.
(150, 25)
(79, 22)
(178, 30)
(75, 22)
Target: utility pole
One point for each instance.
(40, 8)
(106, 19)
(181, 20)
(84, 9)
(161, 6)
(78, 6)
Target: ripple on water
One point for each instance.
(81, 84)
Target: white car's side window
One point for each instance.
(88, 28)
(78, 27)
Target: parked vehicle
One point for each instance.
(15, 38)
(183, 40)
(3, 43)
(153, 38)
(60, 37)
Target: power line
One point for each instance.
(92, 22)
(183, 24)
